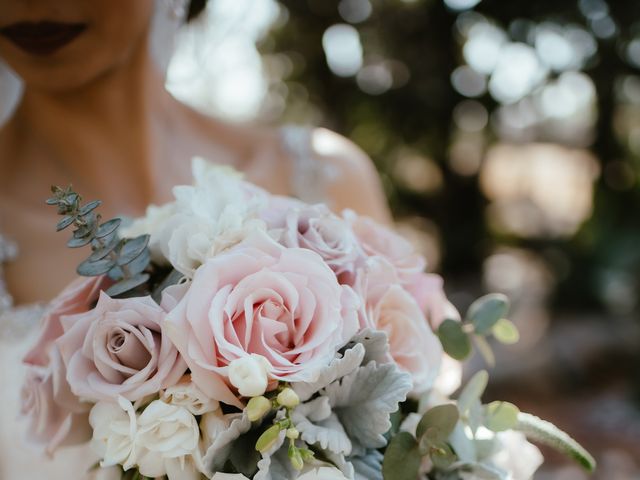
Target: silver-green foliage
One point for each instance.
(123, 260)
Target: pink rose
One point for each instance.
(378, 240)
(316, 228)
(119, 348)
(412, 344)
(261, 299)
(77, 297)
(427, 289)
(55, 416)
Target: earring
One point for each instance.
(177, 8)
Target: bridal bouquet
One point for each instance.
(234, 334)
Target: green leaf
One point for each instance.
(126, 285)
(132, 248)
(268, 438)
(485, 312)
(548, 434)
(500, 416)
(402, 458)
(506, 332)
(102, 252)
(108, 227)
(454, 340)
(442, 456)
(439, 420)
(89, 207)
(79, 242)
(485, 350)
(65, 222)
(93, 269)
(473, 390)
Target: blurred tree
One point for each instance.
(384, 79)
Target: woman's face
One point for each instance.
(64, 44)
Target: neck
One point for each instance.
(123, 115)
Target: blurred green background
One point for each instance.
(507, 134)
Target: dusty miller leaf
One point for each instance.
(364, 400)
(338, 368)
(368, 466)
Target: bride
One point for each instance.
(95, 114)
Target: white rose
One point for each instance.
(322, 473)
(165, 433)
(213, 424)
(250, 375)
(114, 432)
(186, 394)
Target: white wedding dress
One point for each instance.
(19, 327)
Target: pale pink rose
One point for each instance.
(378, 240)
(260, 298)
(277, 208)
(77, 297)
(412, 344)
(55, 416)
(315, 228)
(119, 348)
(427, 289)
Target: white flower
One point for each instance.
(516, 455)
(114, 432)
(229, 476)
(187, 395)
(250, 375)
(165, 432)
(322, 473)
(217, 212)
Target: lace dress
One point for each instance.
(19, 328)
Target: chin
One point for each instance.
(70, 68)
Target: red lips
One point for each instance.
(42, 38)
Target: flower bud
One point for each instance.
(268, 438)
(250, 375)
(257, 408)
(293, 433)
(288, 398)
(295, 458)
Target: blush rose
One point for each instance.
(283, 304)
(119, 348)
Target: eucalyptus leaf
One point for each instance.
(440, 419)
(79, 242)
(139, 264)
(442, 456)
(548, 434)
(108, 227)
(93, 269)
(402, 458)
(485, 350)
(89, 207)
(132, 248)
(105, 250)
(124, 286)
(454, 340)
(52, 201)
(475, 416)
(506, 332)
(473, 390)
(500, 416)
(65, 222)
(486, 311)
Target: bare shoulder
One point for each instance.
(355, 183)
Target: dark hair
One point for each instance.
(195, 8)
